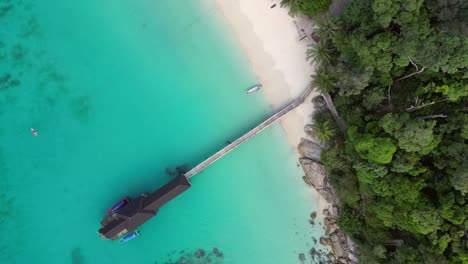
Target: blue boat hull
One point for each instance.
(129, 236)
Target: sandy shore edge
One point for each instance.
(271, 41)
(275, 45)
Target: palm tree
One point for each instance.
(294, 6)
(327, 27)
(319, 53)
(322, 80)
(324, 131)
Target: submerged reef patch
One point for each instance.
(7, 210)
(199, 256)
(5, 7)
(7, 81)
(6, 201)
(3, 51)
(30, 28)
(179, 170)
(18, 53)
(81, 108)
(76, 256)
(27, 66)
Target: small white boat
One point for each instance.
(34, 132)
(254, 89)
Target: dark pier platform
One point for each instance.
(141, 209)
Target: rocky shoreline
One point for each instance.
(344, 250)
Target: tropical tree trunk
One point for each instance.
(334, 112)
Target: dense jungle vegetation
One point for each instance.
(397, 73)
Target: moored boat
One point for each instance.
(34, 132)
(118, 205)
(254, 89)
(129, 236)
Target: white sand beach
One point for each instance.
(272, 43)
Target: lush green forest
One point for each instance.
(397, 73)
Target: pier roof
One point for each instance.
(141, 209)
(167, 192)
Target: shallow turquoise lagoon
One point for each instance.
(119, 91)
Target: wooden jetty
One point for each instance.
(249, 134)
(144, 207)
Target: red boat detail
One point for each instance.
(118, 205)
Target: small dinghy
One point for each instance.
(254, 89)
(118, 205)
(34, 132)
(129, 236)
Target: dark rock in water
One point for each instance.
(302, 257)
(200, 253)
(217, 253)
(182, 169)
(315, 240)
(76, 257)
(311, 222)
(179, 170)
(324, 241)
(313, 215)
(313, 253)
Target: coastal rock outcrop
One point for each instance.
(313, 215)
(316, 177)
(309, 149)
(343, 248)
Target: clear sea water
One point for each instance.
(119, 91)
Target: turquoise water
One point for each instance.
(119, 91)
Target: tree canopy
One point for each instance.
(306, 7)
(398, 73)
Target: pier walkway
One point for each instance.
(249, 134)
